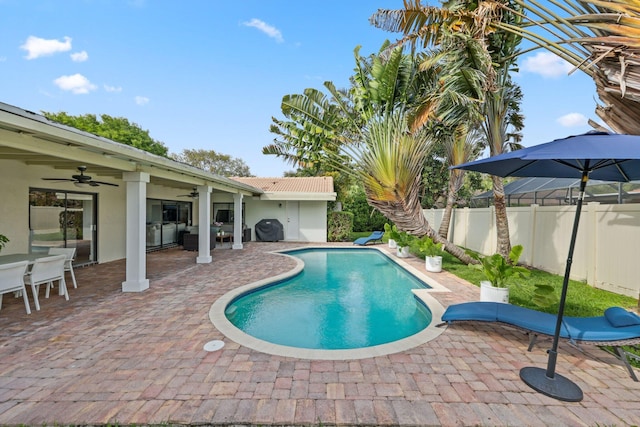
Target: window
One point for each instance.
(224, 212)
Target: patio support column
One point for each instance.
(204, 227)
(136, 255)
(237, 222)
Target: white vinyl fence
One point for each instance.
(607, 252)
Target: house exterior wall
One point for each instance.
(607, 243)
(17, 178)
(312, 217)
(313, 221)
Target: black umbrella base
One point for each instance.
(558, 387)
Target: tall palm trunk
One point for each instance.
(502, 223)
(455, 182)
(496, 136)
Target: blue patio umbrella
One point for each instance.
(596, 155)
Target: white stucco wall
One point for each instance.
(313, 221)
(312, 217)
(17, 178)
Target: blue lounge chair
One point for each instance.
(375, 236)
(616, 328)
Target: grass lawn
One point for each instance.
(582, 300)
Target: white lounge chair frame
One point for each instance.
(12, 280)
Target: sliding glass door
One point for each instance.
(167, 221)
(63, 219)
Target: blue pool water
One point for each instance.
(343, 299)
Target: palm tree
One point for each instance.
(599, 38)
(335, 128)
(493, 55)
(450, 108)
(461, 147)
(389, 163)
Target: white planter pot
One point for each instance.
(392, 244)
(493, 294)
(433, 264)
(402, 252)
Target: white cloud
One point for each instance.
(142, 100)
(112, 88)
(77, 84)
(546, 64)
(79, 56)
(37, 47)
(572, 120)
(269, 30)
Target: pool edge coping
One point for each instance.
(230, 331)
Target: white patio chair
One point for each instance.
(12, 280)
(45, 271)
(68, 264)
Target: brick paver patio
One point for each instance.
(110, 357)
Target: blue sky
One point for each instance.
(210, 74)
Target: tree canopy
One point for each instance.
(214, 162)
(116, 129)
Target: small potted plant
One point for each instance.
(499, 273)
(215, 227)
(403, 241)
(388, 230)
(432, 253)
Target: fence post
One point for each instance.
(532, 234)
(592, 243)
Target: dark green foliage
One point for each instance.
(365, 217)
(214, 162)
(3, 241)
(114, 128)
(435, 180)
(339, 225)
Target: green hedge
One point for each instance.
(339, 226)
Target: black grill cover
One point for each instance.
(269, 230)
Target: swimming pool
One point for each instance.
(344, 303)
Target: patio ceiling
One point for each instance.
(33, 140)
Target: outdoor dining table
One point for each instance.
(8, 259)
(225, 237)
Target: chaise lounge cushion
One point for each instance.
(375, 236)
(619, 317)
(594, 329)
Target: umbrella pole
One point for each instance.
(548, 382)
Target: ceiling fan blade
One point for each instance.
(102, 183)
(58, 179)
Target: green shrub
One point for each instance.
(339, 226)
(365, 218)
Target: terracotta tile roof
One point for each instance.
(319, 184)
